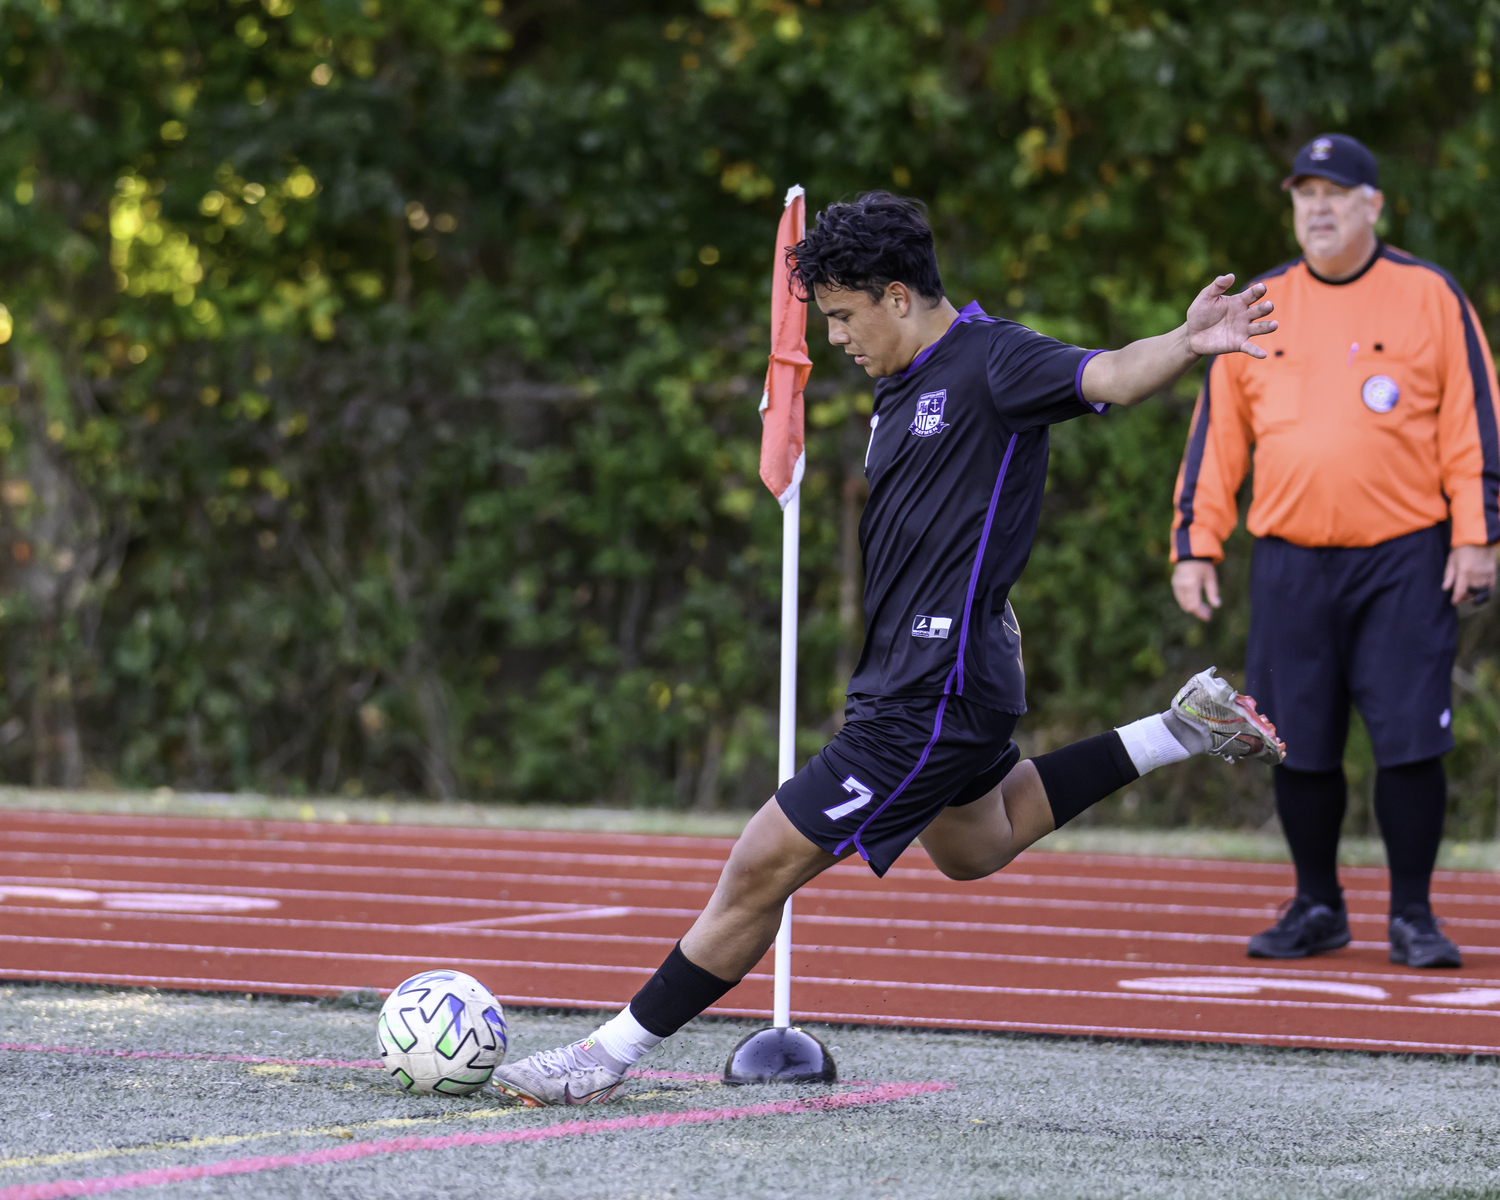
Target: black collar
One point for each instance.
(1374, 258)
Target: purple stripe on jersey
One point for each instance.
(970, 312)
(984, 537)
(937, 729)
(1484, 405)
(1101, 409)
(1193, 464)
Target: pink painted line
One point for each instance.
(362, 1063)
(880, 1094)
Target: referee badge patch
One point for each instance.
(1380, 393)
(931, 627)
(929, 418)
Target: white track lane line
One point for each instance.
(187, 983)
(577, 881)
(1120, 1031)
(1038, 857)
(804, 980)
(1001, 880)
(194, 984)
(882, 923)
(487, 923)
(360, 850)
(687, 915)
(302, 893)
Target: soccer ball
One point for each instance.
(441, 1032)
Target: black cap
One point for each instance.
(1338, 157)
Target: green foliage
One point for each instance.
(380, 409)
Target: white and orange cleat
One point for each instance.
(1227, 721)
(578, 1074)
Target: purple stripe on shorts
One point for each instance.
(1101, 409)
(984, 537)
(937, 729)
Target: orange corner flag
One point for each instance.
(781, 438)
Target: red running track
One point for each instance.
(1084, 944)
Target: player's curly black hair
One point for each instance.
(876, 239)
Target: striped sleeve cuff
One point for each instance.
(1101, 409)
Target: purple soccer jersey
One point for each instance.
(957, 463)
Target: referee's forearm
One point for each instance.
(1130, 374)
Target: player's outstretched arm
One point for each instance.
(1217, 323)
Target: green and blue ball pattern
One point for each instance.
(441, 1033)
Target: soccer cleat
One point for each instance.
(1416, 941)
(576, 1074)
(1232, 727)
(1305, 928)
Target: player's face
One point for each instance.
(1330, 218)
(869, 332)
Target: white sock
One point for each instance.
(1150, 743)
(625, 1039)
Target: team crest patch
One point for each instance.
(929, 418)
(1321, 149)
(1380, 393)
(931, 627)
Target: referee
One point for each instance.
(1377, 467)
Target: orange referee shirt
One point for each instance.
(1372, 415)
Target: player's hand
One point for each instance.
(1218, 323)
(1470, 573)
(1194, 580)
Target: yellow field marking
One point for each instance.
(234, 1139)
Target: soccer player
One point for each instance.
(1377, 467)
(957, 463)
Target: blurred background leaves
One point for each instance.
(378, 405)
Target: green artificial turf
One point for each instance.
(1023, 1117)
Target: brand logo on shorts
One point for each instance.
(862, 796)
(1321, 149)
(929, 418)
(931, 627)
(1380, 393)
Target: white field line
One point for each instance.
(471, 929)
(805, 980)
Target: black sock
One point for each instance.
(677, 993)
(1080, 775)
(1311, 806)
(1410, 803)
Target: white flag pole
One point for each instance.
(786, 765)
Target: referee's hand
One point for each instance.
(1195, 581)
(1470, 573)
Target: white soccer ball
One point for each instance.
(441, 1032)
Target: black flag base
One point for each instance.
(780, 1056)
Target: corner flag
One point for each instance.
(781, 438)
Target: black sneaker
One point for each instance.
(1305, 928)
(1416, 941)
